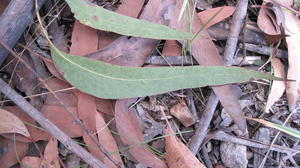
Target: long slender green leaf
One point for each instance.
(287, 130)
(103, 19)
(115, 82)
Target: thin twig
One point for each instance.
(222, 136)
(204, 122)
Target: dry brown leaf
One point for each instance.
(105, 106)
(3, 5)
(67, 97)
(206, 15)
(9, 123)
(87, 112)
(292, 29)
(131, 134)
(35, 133)
(9, 158)
(270, 20)
(62, 119)
(106, 139)
(206, 53)
(178, 155)
(31, 161)
(171, 48)
(50, 159)
(183, 114)
(278, 87)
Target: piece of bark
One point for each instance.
(13, 22)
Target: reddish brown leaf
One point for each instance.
(131, 134)
(278, 87)
(206, 15)
(9, 158)
(3, 5)
(171, 48)
(178, 155)
(31, 161)
(9, 123)
(50, 159)
(106, 139)
(62, 119)
(105, 106)
(206, 53)
(67, 97)
(84, 39)
(270, 21)
(87, 113)
(183, 114)
(35, 134)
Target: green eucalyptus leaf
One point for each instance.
(116, 82)
(99, 18)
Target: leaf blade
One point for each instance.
(102, 19)
(116, 82)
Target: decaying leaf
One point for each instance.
(102, 19)
(87, 113)
(106, 139)
(271, 21)
(31, 161)
(183, 114)
(178, 155)
(278, 87)
(131, 134)
(35, 133)
(292, 29)
(50, 159)
(10, 156)
(9, 123)
(206, 16)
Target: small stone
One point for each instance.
(183, 114)
(233, 155)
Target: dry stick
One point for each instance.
(73, 114)
(49, 126)
(222, 136)
(14, 21)
(230, 48)
(204, 122)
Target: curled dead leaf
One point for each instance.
(271, 21)
(9, 123)
(178, 155)
(51, 155)
(31, 161)
(278, 87)
(183, 114)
